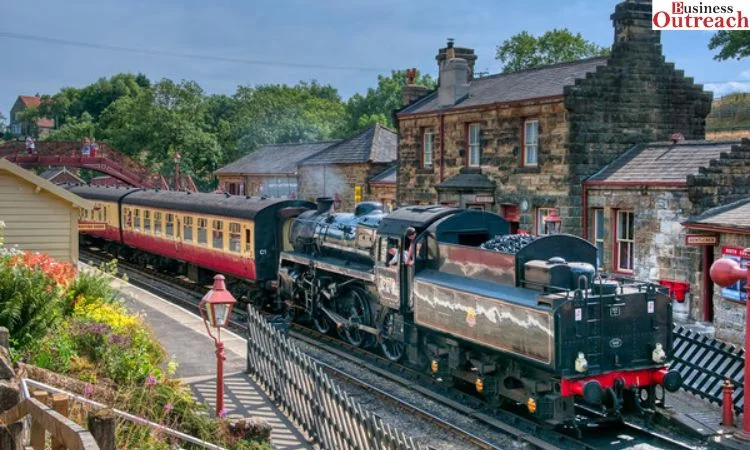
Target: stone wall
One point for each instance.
(384, 193)
(501, 140)
(637, 97)
(729, 316)
(726, 180)
(336, 180)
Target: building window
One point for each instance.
(624, 243)
(147, 221)
(218, 234)
(530, 142)
(427, 146)
(137, 220)
(202, 231)
(157, 223)
(187, 229)
(235, 237)
(169, 229)
(599, 236)
(541, 225)
(473, 143)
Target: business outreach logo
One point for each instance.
(700, 15)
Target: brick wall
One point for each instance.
(726, 180)
(384, 193)
(660, 252)
(329, 180)
(729, 316)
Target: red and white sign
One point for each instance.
(709, 15)
(701, 239)
(735, 251)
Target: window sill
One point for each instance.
(624, 272)
(527, 169)
(736, 302)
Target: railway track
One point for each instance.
(330, 352)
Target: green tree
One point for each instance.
(378, 104)
(525, 51)
(75, 129)
(28, 119)
(732, 44)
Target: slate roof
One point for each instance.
(275, 159)
(734, 216)
(541, 82)
(388, 176)
(53, 172)
(662, 162)
(376, 144)
(467, 181)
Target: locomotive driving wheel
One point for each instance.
(356, 309)
(392, 349)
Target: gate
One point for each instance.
(706, 363)
(306, 393)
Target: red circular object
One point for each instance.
(725, 272)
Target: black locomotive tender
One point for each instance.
(538, 327)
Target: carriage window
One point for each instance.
(147, 221)
(169, 229)
(128, 218)
(105, 213)
(218, 234)
(248, 241)
(202, 231)
(157, 223)
(187, 228)
(234, 237)
(137, 220)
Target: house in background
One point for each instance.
(521, 143)
(344, 170)
(39, 216)
(20, 128)
(61, 175)
(383, 188)
(271, 170)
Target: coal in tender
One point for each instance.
(510, 243)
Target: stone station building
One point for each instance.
(523, 142)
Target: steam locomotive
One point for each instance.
(538, 327)
(531, 323)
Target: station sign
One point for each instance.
(701, 239)
(92, 226)
(484, 199)
(737, 290)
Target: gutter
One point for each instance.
(718, 228)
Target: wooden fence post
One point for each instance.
(59, 404)
(102, 426)
(38, 434)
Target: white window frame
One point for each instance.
(599, 238)
(625, 238)
(531, 143)
(428, 141)
(474, 145)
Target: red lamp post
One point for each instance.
(726, 272)
(217, 305)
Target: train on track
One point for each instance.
(523, 320)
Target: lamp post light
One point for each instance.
(553, 221)
(726, 272)
(217, 305)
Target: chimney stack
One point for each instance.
(456, 52)
(412, 92)
(454, 79)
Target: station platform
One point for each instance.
(704, 419)
(183, 335)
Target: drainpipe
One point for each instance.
(442, 146)
(584, 205)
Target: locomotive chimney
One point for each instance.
(324, 204)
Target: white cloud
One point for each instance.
(745, 75)
(722, 89)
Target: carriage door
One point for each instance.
(387, 268)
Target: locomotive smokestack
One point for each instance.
(324, 204)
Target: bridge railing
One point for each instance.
(301, 387)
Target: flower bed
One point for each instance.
(71, 323)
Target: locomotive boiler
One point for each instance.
(533, 323)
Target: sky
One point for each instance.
(345, 43)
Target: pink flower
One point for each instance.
(223, 413)
(168, 407)
(151, 380)
(88, 390)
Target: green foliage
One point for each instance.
(732, 44)
(75, 129)
(525, 51)
(28, 118)
(731, 112)
(378, 104)
(29, 302)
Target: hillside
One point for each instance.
(731, 112)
